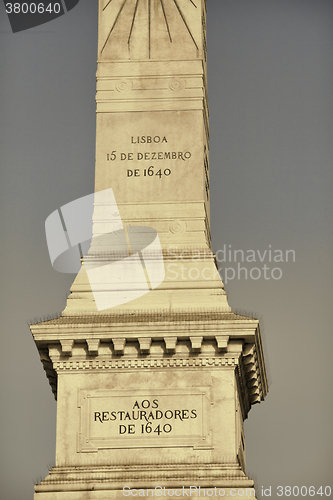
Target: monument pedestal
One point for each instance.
(150, 402)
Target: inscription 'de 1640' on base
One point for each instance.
(159, 418)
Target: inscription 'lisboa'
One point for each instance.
(148, 139)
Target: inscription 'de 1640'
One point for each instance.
(123, 419)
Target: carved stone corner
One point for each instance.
(177, 84)
(124, 85)
(196, 343)
(67, 347)
(145, 344)
(222, 342)
(119, 345)
(177, 226)
(170, 344)
(253, 381)
(248, 353)
(93, 345)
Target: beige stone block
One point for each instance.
(103, 422)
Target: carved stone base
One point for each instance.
(151, 401)
(195, 480)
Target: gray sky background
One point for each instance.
(270, 92)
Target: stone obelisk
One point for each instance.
(152, 392)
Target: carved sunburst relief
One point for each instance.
(150, 28)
